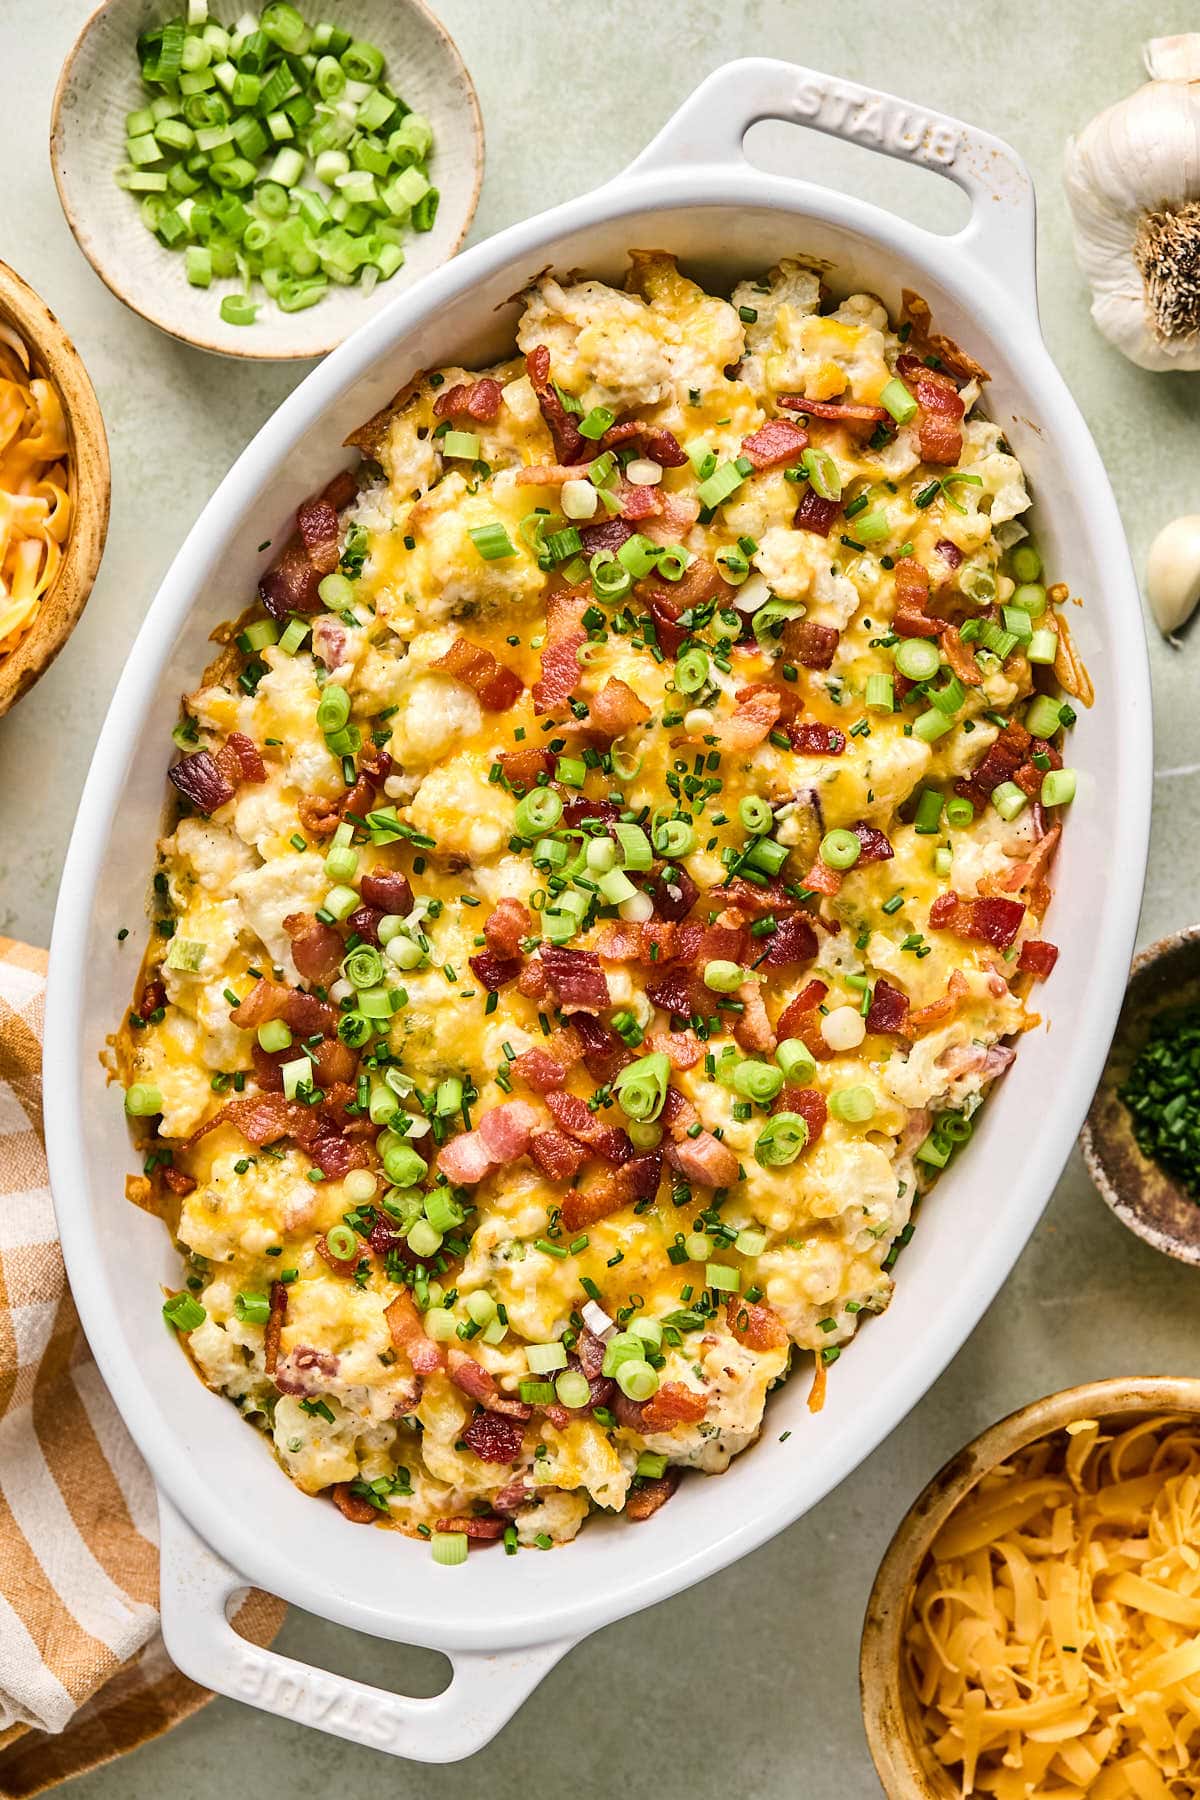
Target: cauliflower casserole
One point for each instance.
(605, 879)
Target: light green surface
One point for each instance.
(748, 1681)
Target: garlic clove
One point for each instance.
(1173, 573)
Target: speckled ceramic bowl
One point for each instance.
(1165, 976)
(99, 84)
(54, 356)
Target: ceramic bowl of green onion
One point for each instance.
(1141, 1141)
(257, 182)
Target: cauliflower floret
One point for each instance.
(444, 576)
(605, 347)
(315, 1451)
(202, 855)
(1001, 474)
(468, 815)
(268, 894)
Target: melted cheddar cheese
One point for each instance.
(430, 1374)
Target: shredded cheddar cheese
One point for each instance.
(35, 508)
(1053, 1640)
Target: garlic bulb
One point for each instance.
(1173, 573)
(1133, 182)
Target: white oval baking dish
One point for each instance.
(228, 1515)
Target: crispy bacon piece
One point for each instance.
(683, 1049)
(637, 503)
(773, 443)
(176, 1180)
(494, 972)
(755, 902)
(889, 1008)
(352, 1506)
(559, 1157)
(950, 553)
(240, 759)
(793, 941)
(660, 445)
(500, 1137)
(808, 738)
(924, 1018)
(271, 1000)
(479, 400)
(479, 1383)
(603, 1052)
(388, 890)
(753, 718)
(636, 1179)
(677, 992)
(364, 923)
(341, 1265)
(960, 658)
(481, 1528)
(701, 582)
(917, 624)
(875, 844)
(408, 1335)
(200, 780)
(616, 708)
(494, 1437)
(989, 918)
(752, 1027)
(814, 514)
(507, 926)
(570, 445)
(522, 767)
(539, 1070)
(704, 1160)
(672, 891)
(813, 646)
(576, 1118)
(495, 686)
(845, 412)
(1002, 759)
(939, 431)
(574, 977)
(579, 808)
(317, 949)
(799, 1019)
(292, 581)
(673, 1404)
(1037, 957)
(333, 1062)
(565, 637)
(1029, 875)
(605, 534)
(821, 879)
(273, 1330)
(755, 1324)
(336, 1155)
(809, 1103)
(644, 1501)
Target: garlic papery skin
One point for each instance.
(1133, 182)
(1173, 573)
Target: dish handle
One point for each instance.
(712, 123)
(196, 1589)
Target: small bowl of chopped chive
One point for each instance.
(257, 183)
(1141, 1141)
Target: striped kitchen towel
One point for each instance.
(83, 1673)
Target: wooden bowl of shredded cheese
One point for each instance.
(1034, 1628)
(54, 487)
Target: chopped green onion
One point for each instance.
(723, 977)
(880, 693)
(795, 1059)
(1058, 787)
(757, 1081)
(853, 1105)
(184, 1313)
(641, 1086)
(896, 399)
(1042, 646)
(449, 1548)
(142, 1100)
(755, 814)
(1008, 800)
(492, 541)
(1043, 716)
(781, 1140)
(823, 474)
(917, 658)
(840, 849)
(537, 811)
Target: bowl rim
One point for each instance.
(901, 1770)
(160, 320)
(69, 592)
